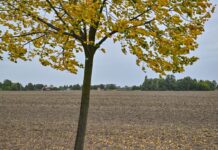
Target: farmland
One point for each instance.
(117, 120)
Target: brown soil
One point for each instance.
(118, 120)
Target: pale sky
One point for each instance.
(117, 68)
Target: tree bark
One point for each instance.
(81, 130)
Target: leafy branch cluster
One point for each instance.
(160, 33)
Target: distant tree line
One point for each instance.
(170, 83)
(8, 85)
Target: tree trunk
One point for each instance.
(81, 130)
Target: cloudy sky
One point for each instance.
(115, 67)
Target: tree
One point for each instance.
(101, 86)
(16, 87)
(145, 83)
(38, 86)
(185, 83)
(7, 85)
(170, 82)
(135, 88)
(110, 86)
(29, 87)
(75, 87)
(214, 84)
(156, 84)
(1, 86)
(158, 32)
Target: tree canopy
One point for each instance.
(160, 33)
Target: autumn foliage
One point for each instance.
(160, 33)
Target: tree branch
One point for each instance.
(58, 29)
(34, 39)
(66, 12)
(139, 15)
(52, 7)
(27, 34)
(105, 38)
(73, 34)
(93, 29)
(134, 18)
